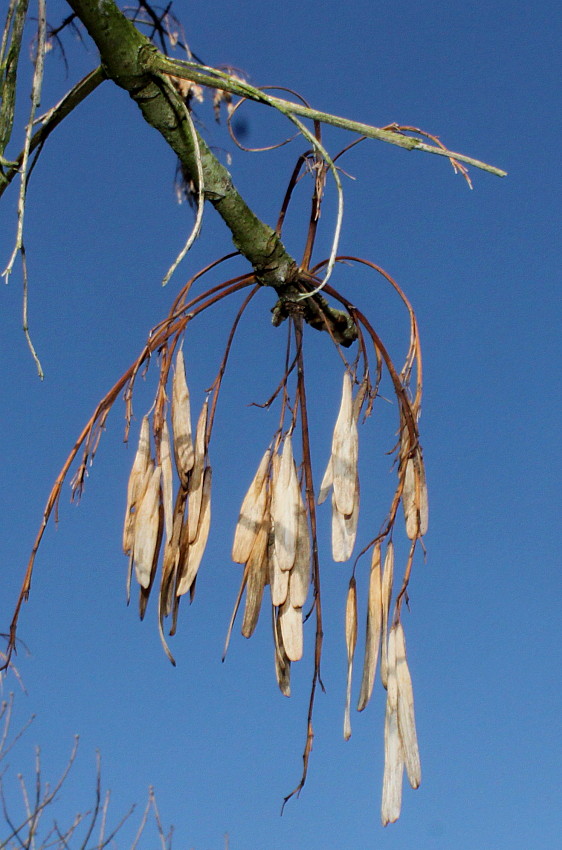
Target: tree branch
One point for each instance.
(125, 54)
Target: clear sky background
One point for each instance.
(218, 741)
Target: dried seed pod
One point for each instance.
(167, 480)
(257, 569)
(251, 513)
(136, 485)
(345, 448)
(386, 592)
(290, 622)
(196, 548)
(350, 642)
(195, 485)
(393, 756)
(181, 421)
(344, 529)
(146, 530)
(406, 716)
(299, 580)
(284, 507)
(374, 629)
(282, 662)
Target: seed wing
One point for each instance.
(374, 629)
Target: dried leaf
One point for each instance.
(393, 756)
(251, 513)
(350, 642)
(374, 629)
(167, 480)
(195, 485)
(344, 529)
(406, 716)
(146, 529)
(195, 550)
(136, 485)
(181, 421)
(290, 621)
(345, 448)
(257, 569)
(387, 579)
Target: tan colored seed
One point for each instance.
(284, 507)
(256, 575)
(374, 629)
(290, 621)
(386, 591)
(195, 485)
(181, 421)
(251, 513)
(146, 530)
(393, 756)
(136, 484)
(282, 662)
(406, 716)
(167, 480)
(350, 642)
(344, 529)
(196, 548)
(299, 580)
(278, 578)
(345, 446)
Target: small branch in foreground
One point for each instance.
(206, 76)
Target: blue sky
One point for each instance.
(218, 742)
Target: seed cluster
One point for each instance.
(152, 515)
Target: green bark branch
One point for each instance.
(205, 76)
(126, 59)
(58, 113)
(123, 51)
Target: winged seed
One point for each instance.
(136, 485)
(146, 530)
(167, 480)
(282, 662)
(406, 717)
(386, 592)
(181, 421)
(299, 580)
(374, 628)
(345, 447)
(195, 486)
(290, 621)
(393, 756)
(255, 582)
(284, 508)
(344, 529)
(251, 513)
(195, 550)
(350, 642)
